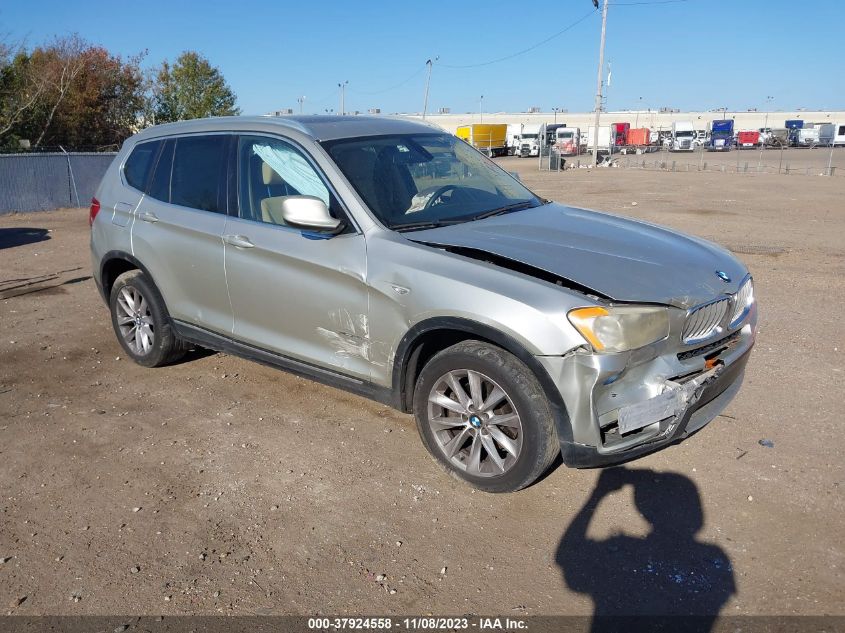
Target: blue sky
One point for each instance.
(687, 54)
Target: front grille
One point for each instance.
(703, 321)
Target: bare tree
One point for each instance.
(60, 64)
(20, 86)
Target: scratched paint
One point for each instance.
(349, 334)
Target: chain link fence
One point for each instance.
(50, 180)
(818, 161)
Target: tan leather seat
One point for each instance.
(271, 208)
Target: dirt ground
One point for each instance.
(222, 486)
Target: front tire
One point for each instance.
(484, 417)
(141, 322)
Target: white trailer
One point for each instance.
(839, 133)
(605, 141)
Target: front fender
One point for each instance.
(409, 344)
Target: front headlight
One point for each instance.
(621, 328)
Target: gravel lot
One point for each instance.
(222, 486)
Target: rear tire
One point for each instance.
(498, 432)
(141, 321)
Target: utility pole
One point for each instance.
(342, 87)
(768, 107)
(481, 108)
(427, 84)
(555, 110)
(301, 101)
(599, 81)
(765, 131)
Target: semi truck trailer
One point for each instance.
(488, 138)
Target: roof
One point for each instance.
(318, 127)
(324, 128)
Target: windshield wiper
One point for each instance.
(433, 224)
(525, 204)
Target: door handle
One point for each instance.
(240, 241)
(147, 216)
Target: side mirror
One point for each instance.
(309, 212)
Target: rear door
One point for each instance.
(136, 173)
(292, 292)
(178, 227)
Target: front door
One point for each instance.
(293, 294)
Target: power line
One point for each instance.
(399, 85)
(419, 71)
(525, 50)
(636, 4)
(331, 95)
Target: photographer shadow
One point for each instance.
(661, 576)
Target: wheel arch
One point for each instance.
(114, 264)
(433, 335)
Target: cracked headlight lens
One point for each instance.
(620, 328)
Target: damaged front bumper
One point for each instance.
(624, 406)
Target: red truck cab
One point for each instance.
(748, 139)
(620, 133)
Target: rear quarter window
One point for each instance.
(160, 185)
(136, 170)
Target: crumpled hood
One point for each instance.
(623, 259)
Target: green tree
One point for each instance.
(191, 89)
(104, 105)
(69, 93)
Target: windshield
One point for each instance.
(530, 135)
(683, 133)
(423, 180)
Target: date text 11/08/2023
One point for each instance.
(428, 623)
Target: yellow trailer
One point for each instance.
(489, 138)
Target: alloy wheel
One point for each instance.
(135, 320)
(475, 423)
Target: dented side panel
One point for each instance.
(300, 297)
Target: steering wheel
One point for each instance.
(437, 194)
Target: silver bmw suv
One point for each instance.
(389, 258)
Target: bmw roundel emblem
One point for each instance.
(723, 276)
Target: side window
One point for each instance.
(160, 185)
(270, 171)
(198, 177)
(136, 170)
